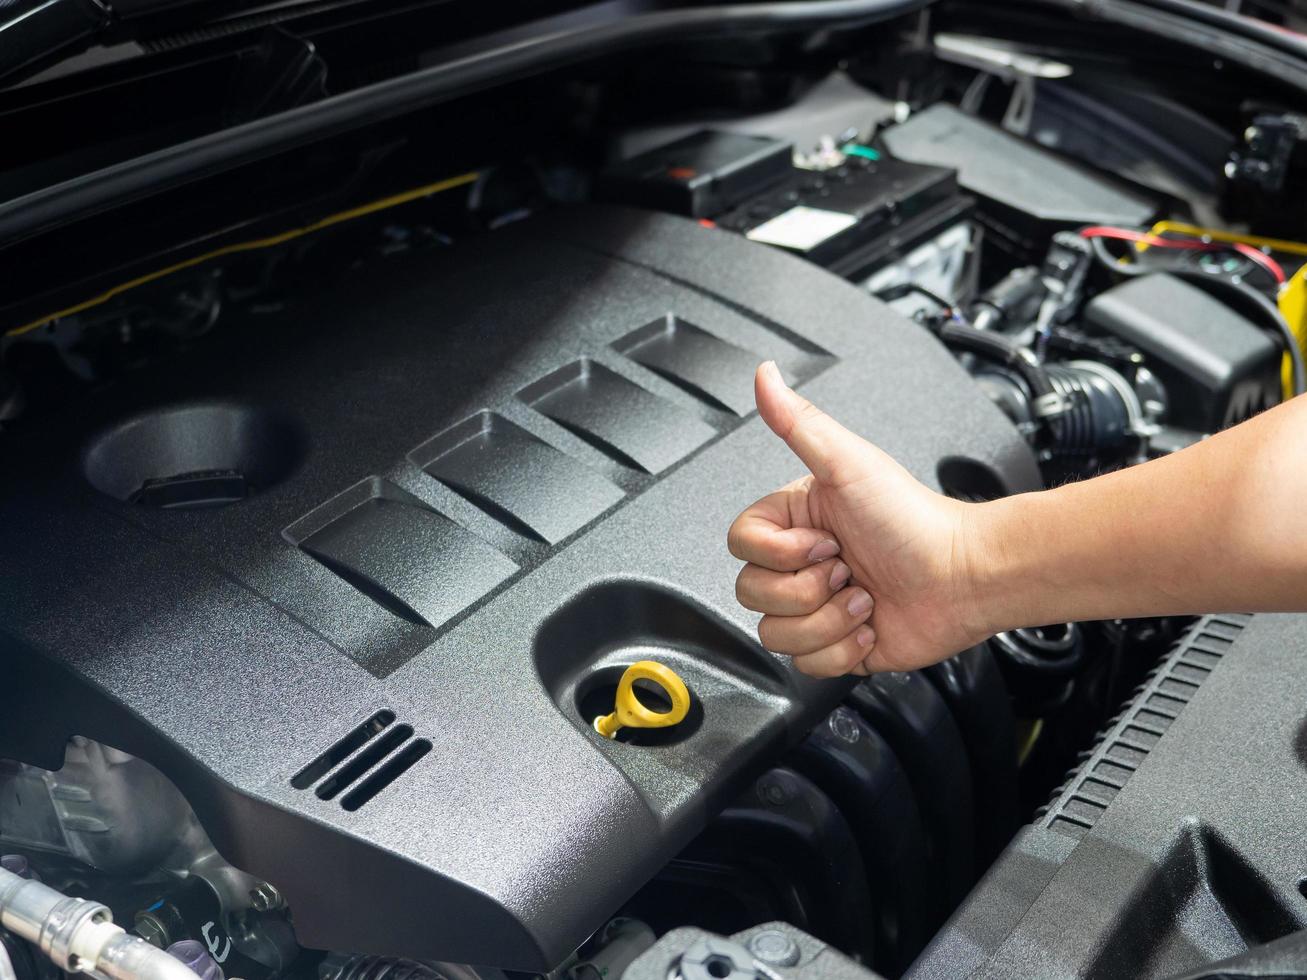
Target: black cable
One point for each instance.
(1105, 258)
(1132, 268)
(998, 348)
(987, 344)
(541, 46)
(899, 291)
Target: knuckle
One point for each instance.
(807, 592)
(853, 654)
(837, 618)
(811, 666)
(821, 667)
(788, 635)
(805, 411)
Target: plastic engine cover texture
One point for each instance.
(459, 492)
(1177, 842)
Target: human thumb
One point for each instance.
(825, 447)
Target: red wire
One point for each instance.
(1156, 241)
(1262, 259)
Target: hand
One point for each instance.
(859, 567)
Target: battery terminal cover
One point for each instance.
(702, 175)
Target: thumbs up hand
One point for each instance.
(858, 567)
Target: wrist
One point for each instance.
(994, 590)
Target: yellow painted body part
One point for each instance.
(1293, 305)
(630, 713)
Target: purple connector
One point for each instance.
(192, 953)
(16, 864)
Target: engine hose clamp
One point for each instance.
(60, 929)
(1134, 409)
(1048, 406)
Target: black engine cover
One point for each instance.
(447, 501)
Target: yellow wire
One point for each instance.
(1216, 235)
(249, 246)
(1032, 734)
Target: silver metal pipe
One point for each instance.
(79, 935)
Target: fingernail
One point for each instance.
(839, 576)
(866, 637)
(823, 550)
(860, 604)
(772, 368)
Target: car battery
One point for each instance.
(861, 212)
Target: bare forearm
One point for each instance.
(1219, 526)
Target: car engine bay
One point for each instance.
(345, 475)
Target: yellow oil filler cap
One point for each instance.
(630, 713)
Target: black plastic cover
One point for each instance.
(1026, 193)
(855, 767)
(1217, 366)
(972, 686)
(478, 485)
(914, 720)
(793, 846)
(700, 175)
(33, 30)
(1177, 843)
